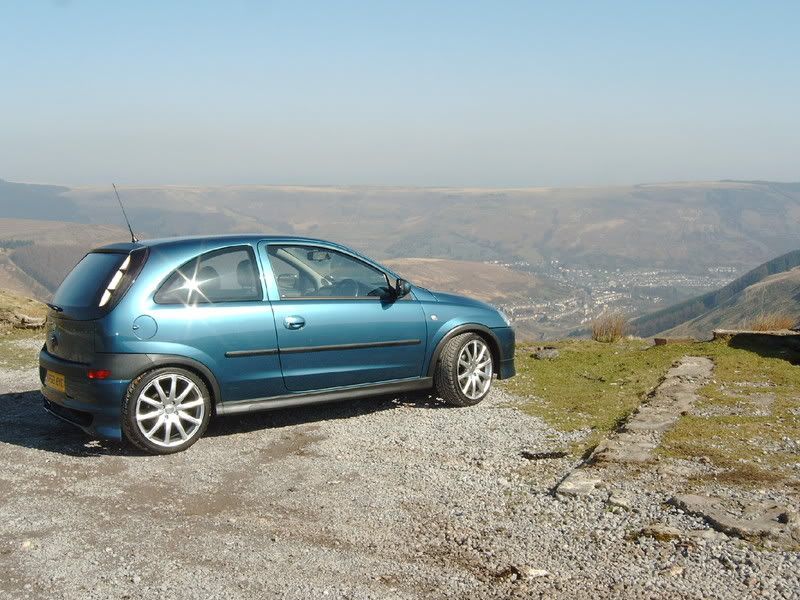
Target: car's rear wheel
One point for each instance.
(464, 372)
(166, 410)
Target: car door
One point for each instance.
(337, 322)
(212, 309)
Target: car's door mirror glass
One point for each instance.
(402, 288)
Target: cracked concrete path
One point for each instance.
(642, 433)
(751, 521)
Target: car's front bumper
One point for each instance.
(506, 343)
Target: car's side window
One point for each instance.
(226, 275)
(317, 272)
(291, 281)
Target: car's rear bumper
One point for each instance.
(506, 344)
(92, 405)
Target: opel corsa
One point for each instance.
(149, 340)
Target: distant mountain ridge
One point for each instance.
(777, 294)
(670, 318)
(544, 235)
(694, 225)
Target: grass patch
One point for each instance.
(596, 386)
(773, 322)
(591, 385)
(752, 449)
(609, 327)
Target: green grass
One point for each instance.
(752, 450)
(591, 384)
(596, 386)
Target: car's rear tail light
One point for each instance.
(99, 373)
(124, 276)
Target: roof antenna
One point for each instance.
(124, 214)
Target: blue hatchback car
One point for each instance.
(149, 340)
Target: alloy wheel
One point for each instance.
(474, 369)
(170, 410)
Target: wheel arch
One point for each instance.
(487, 334)
(160, 361)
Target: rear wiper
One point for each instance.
(54, 307)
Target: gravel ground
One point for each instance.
(380, 498)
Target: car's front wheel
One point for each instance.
(166, 410)
(463, 374)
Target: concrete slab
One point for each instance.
(636, 440)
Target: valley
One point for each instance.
(552, 258)
(589, 292)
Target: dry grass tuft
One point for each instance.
(773, 322)
(609, 327)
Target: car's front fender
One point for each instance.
(500, 339)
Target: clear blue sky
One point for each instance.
(495, 93)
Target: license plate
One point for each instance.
(55, 381)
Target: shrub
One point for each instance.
(773, 322)
(609, 327)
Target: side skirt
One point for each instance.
(348, 393)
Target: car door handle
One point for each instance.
(294, 322)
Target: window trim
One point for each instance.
(267, 245)
(253, 260)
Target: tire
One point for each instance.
(458, 367)
(166, 410)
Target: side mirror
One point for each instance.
(401, 288)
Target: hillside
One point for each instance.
(632, 248)
(668, 319)
(484, 281)
(776, 294)
(35, 255)
(688, 226)
(16, 310)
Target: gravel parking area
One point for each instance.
(380, 498)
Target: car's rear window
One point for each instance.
(86, 282)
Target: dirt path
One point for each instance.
(382, 498)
